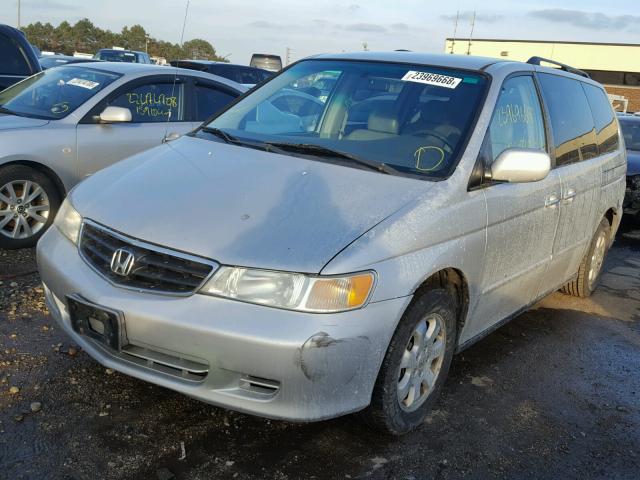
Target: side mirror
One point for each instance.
(517, 165)
(115, 115)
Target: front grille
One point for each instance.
(155, 269)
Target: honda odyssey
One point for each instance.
(302, 263)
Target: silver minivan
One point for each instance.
(302, 258)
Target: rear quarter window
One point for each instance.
(572, 124)
(604, 119)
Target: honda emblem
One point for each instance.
(122, 262)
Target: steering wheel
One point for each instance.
(445, 141)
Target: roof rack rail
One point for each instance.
(563, 66)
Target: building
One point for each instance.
(615, 65)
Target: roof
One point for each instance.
(126, 67)
(468, 62)
(561, 42)
(213, 62)
(119, 50)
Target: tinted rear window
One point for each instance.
(604, 118)
(631, 133)
(571, 121)
(12, 60)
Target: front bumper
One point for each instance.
(631, 203)
(259, 360)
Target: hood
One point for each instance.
(241, 206)
(11, 122)
(633, 162)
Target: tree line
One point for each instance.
(85, 37)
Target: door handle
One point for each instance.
(170, 136)
(552, 200)
(569, 196)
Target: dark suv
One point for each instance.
(17, 58)
(238, 73)
(630, 125)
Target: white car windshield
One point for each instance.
(402, 118)
(54, 93)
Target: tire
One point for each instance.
(586, 281)
(387, 412)
(29, 201)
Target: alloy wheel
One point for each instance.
(24, 209)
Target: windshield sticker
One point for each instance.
(79, 82)
(431, 79)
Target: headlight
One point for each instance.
(292, 291)
(68, 221)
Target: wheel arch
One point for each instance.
(42, 169)
(614, 218)
(454, 281)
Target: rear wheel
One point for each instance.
(591, 267)
(29, 201)
(415, 365)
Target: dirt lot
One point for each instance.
(554, 394)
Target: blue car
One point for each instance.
(630, 125)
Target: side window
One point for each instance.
(210, 100)
(248, 75)
(604, 118)
(153, 102)
(517, 120)
(571, 121)
(13, 61)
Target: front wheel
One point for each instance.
(590, 269)
(28, 203)
(415, 365)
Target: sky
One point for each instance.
(238, 28)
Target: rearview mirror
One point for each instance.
(115, 115)
(517, 165)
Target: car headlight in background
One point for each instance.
(292, 291)
(68, 221)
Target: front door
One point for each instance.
(522, 217)
(158, 110)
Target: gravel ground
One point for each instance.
(555, 393)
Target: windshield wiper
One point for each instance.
(221, 134)
(320, 151)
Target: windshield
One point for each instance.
(413, 118)
(631, 133)
(54, 93)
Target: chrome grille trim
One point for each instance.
(173, 272)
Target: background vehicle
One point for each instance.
(68, 122)
(17, 58)
(116, 55)
(49, 61)
(271, 63)
(630, 125)
(315, 259)
(248, 76)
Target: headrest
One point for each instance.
(384, 120)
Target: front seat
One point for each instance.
(382, 123)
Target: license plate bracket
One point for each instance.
(102, 324)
